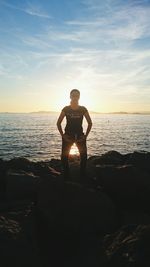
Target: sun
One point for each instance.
(74, 150)
(85, 100)
(64, 99)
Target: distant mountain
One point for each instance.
(124, 112)
(43, 112)
(95, 112)
(118, 112)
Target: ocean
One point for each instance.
(35, 136)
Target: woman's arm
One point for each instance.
(89, 121)
(59, 121)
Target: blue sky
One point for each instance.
(100, 47)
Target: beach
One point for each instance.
(103, 221)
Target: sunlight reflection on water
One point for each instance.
(36, 136)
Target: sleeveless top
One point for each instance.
(74, 118)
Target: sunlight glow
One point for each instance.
(74, 150)
(86, 98)
(103, 51)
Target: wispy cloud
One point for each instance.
(126, 23)
(2, 70)
(30, 9)
(35, 10)
(98, 52)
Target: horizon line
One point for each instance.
(91, 111)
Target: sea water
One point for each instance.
(36, 137)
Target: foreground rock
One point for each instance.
(127, 184)
(138, 159)
(17, 243)
(21, 185)
(70, 219)
(75, 218)
(19, 178)
(129, 246)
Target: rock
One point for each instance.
(127, 185)
(3, 169)
(110, 158)
(21, 185)
(20, 164)
(17, 238)
(56, 164)
(134, 217)
(129, 246)
(74, 207)
(73, 217)
(138, 159)
(44, 169)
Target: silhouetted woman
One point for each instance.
(74, 132)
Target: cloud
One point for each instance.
(36, 41)
(119, 30)
(98, 53)
(30, 9)
(2, 70)
(35, 10)
(115, 22)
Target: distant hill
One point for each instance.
(124, 112)
(133, 113)
(43, 112)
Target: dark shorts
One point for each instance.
(81, 144)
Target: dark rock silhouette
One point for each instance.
(127, 185)
(103, 222)
(109, 158)
(75, 218)
(125, 178)
(3, 170)
(21, 185)
(16, 237)
(129, 246)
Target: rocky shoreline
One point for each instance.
(45, 221)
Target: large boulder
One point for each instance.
(40, 168)
(72, 206)
(22, 177)
(21, 185)
(110, 158)
(138, 159)
(45, 169)
(20, 163)
(134, 217)
(17, 238)
(3, 169)
(127, 185)
(72, 220)
(129, 246)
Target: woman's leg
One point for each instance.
(83, 156)
(66, 146)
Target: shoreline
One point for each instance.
(73, 157)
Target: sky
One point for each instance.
(49, 47)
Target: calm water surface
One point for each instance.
(36, 137)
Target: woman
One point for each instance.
(74, 132)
